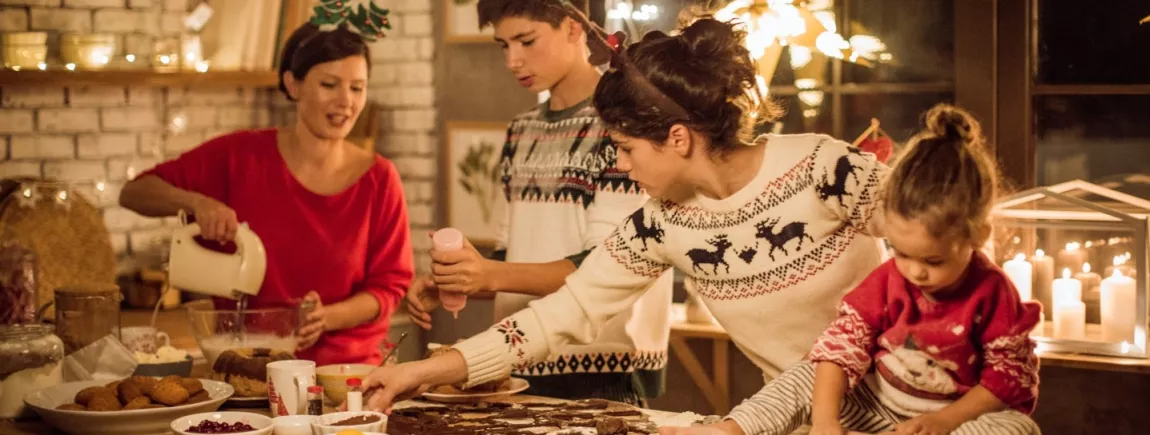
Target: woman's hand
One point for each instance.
(727, 427)
(422, 299)
(217, 221)
(931, 423)
(387, 385)
(462, 271)
(314, 324)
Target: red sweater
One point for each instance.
(938, 350)
(354, 241)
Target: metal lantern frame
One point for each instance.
(1014, 212)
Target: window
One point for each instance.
(1089, 95)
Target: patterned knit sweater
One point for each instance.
(564, 197)
(927, 353)
(771, 261)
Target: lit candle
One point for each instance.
(1072, 257)
(1120, 263)
(1090, 282)
(1069, 310)
(1043, 280)
(1118, 308)
(1067, 289)
(1020, 273)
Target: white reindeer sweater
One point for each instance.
(771, 261)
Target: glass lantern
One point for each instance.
(1080, 250)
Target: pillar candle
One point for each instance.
(1043, 281)
(1090, 296)
(1020, 273)
(1067, 289)
(1120, 263)
(1118, 308)
(1070, 320)
(1072, 257)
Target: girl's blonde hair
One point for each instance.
(946, 177)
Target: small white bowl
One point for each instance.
(324, 425)
(294, 424)
(262, 424)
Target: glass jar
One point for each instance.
(18, 294)
(30, 359)
(86, 313)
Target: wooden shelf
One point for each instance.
(260, 79)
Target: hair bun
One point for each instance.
(947, 121)
(708, 38)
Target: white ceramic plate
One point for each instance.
(517, 386)
(262, 424)
(140, 421)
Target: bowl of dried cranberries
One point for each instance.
(235, 423)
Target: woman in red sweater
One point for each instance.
(331, 215)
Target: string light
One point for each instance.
(30, 193)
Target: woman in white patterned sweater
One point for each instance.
(773, 231)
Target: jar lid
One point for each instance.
(315, 389)
(27, 331)
(354, 382)
(87, 38)
(89, 289)
(25, 38)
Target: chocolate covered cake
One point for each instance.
(245, 369)
(536, 418)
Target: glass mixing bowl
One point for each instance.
(217, 331)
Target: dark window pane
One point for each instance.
(1093, 41)
(800, 117)
(1103, 139)
(900, 115)
(919, 35)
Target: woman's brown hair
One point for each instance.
(309, 46)
(705, 70)
(946, 177)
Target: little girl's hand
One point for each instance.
(828, 430)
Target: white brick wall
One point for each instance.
(67, 120)
(41, 147)
(103, 135)
(94, 3)
(13, 20)
(64, 20)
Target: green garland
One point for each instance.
(369, 21)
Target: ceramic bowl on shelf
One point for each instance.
(88, 50)
(24, 50)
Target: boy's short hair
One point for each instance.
(552, 12)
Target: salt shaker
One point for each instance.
(354, 395)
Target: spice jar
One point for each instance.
(18, 295)
(30, 357)
(86, 313)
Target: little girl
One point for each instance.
(934, 341)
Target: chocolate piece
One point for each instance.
(611, 426)
(357, 420)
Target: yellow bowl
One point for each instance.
(334, 378)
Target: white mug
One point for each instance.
(143, 339)
(287, 386)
